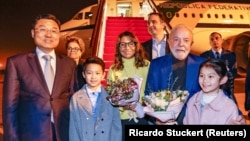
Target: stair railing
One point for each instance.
(96, 35)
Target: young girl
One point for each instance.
(211, 105)
(92, 117)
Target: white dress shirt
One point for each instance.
(42, 61)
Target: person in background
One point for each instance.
(130, 61)
(37, 88)
(92, 117)
(75, 48)
(211, 105)
(217, 51)
(158, 45)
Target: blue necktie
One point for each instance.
(217, 55)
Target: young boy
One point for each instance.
(92, 117)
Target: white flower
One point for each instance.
(160, 101)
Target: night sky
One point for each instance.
(16, 18)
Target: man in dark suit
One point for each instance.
(217, 51)
(215, 40)
(36, 107)
(158, 45)
(179, 64)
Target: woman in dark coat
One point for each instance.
(75, 48)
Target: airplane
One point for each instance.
(82, 25)
(230, 19)
(84, 19)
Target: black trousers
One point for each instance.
(53, 131)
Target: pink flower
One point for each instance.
(120, 89)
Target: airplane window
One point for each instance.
(201, 16)
(241, 16)
(78, 16)
(88, 15)
(230, 16)
(208, 15)
(193, 15)
(216, 16)
(177, 15)
(185, 15)
(223, 16)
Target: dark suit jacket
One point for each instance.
(79, 79)
(229, 58)
(159, 73)
(27, 102)
(148, 45)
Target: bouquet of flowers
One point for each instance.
(165, 105)
(122, 92)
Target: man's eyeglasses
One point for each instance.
(73, 49)
(44, 30)
(129, 44)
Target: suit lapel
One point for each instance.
(190, 70)
(193, 63)
(150, 46)
(211, 54)
(166, 71)
(37, 69)
(58, 74)
(84, 101)
(168, 61)
(59, 71)
(223, 52)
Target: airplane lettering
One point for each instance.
(228, 7)
(182, 5)
(195, 5)
(172, 5)
(201, 6)
(209, 6)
